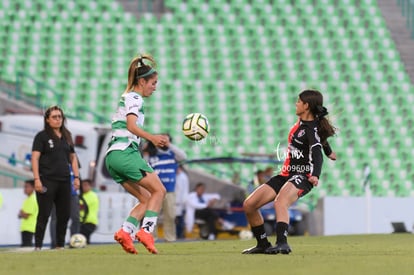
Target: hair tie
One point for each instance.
(321, 111)
(140, 62)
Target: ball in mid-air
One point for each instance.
(195, 126)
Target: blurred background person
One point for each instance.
(28, 214)
(200, 205)
(89, 210)
(182, 188)
(258, 179)
(164, 160)
(268, 173)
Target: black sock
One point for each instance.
(281, 232)
(260, 235)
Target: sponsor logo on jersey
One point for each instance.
(295, 153)
(133, 106)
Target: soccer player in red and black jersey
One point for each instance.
(299, 174)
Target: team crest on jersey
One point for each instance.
(301, 133)
(51, 145)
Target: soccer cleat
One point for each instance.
(283, 248)
(147, 240)
(256, 249)
(125, 240)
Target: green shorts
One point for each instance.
(126, 165)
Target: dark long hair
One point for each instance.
(65, 132)
(314, 99)
(150, 149)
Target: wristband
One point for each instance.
(76, 177)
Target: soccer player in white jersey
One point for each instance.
(125, 163)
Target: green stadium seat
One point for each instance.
(225, 59)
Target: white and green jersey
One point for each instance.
(130, 103)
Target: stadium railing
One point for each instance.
(8, 177)
(31, 91)
(38, 93)
(14, 178)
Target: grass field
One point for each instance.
(356, 254)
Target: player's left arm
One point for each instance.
(317, 160)
(328, 150)
(316, 156)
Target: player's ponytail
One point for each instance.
(138, 68)
(325, 129)
(315, 100)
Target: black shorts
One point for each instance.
(300, 181)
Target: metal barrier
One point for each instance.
(39, 94)
(7, 178)
(13, 172)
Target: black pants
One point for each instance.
(210, 216)
(86, 230)
(180, 226)
(27, 239)
(74, 220)
(58, 193)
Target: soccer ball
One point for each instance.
(195, 126)
(245, 235)
(77, 241)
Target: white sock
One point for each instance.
(129, 228)
(149, 223)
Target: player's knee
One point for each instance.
(248, 207)
(160, 191)
(281, 204)
(163, 191)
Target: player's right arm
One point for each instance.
(157, 140)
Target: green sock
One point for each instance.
(132, 220)
(149, 213)
(130, 225)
